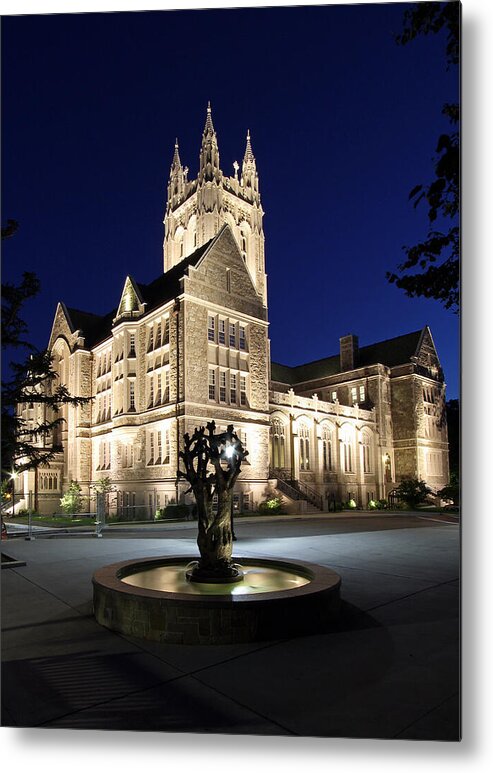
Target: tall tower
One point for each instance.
(197, 209)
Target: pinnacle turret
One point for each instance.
(209, 154)
(249, 157)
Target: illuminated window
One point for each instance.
(222, 332)
(278, 453)
(232, 388)
(150, 402)
(304, 439)
(347, 449)
(242, 335)
(166, 457)
(243, 392)
(131, 346)
(212, 384)
(166, 332)
(131, 396)
(327, 448)
(222, 386)
(366, 446)
(333, 396)
(362, 394)
(354, 395)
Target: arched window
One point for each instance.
(278, 444)
(327, 447)
(367, 451)
(304, 438)
(347, 452)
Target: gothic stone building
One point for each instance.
(193, 345)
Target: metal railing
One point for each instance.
(295, 489)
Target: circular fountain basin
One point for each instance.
(152, 599)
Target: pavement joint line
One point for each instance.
(133, 693)
(426, 713)
(48, 592)
(414, 593)
(245, 706)
(333, 565)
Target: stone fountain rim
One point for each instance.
(321, 578)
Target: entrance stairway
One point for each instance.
(298, 491)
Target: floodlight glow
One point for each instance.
(229, 451)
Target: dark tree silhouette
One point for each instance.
(212, 465)
(33, 382)
(435, 260)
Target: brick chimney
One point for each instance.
(349, 352)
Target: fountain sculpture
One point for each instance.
(215, 599)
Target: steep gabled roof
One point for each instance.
(392, 352)
(95, 328)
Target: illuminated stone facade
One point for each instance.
(193, 346)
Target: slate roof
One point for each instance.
(392, 352)
(96, 328)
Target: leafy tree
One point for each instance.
(33, 381)
(413, 491)
(104, 487)
(71, 502)
(431, 278)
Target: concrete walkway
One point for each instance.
(389, 669)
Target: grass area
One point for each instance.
(67, 521)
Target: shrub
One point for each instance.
(452, 491)
(176, 511)
(271, 506)
(413, 491)
(351, 504)
(71, 502)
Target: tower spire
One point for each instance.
(176, 163)
(209, 153)
(249, 157)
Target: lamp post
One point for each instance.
(13, 477)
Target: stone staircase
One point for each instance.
(300, 492)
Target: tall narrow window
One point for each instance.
(212, 384)
(347, 450)
(159, 447)
(242, 337)
(277, 444)
(159, 379)
(166, 386)
(354, 395)
(304, 437)
(150, 342)
(232, 388)
(366, 451)
(151, 448)
(131, 396)
(232, 335)
(166, 450)
(222, 332)
(131, 345)
(150, 402)
(243, 390)
(166, 332)
(362, 395)
(333, 395)
(211, 328)
(228, 280)
(222, 386)
(327, 448)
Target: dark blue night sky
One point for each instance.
(344, 122)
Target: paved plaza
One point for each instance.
(388, 669)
